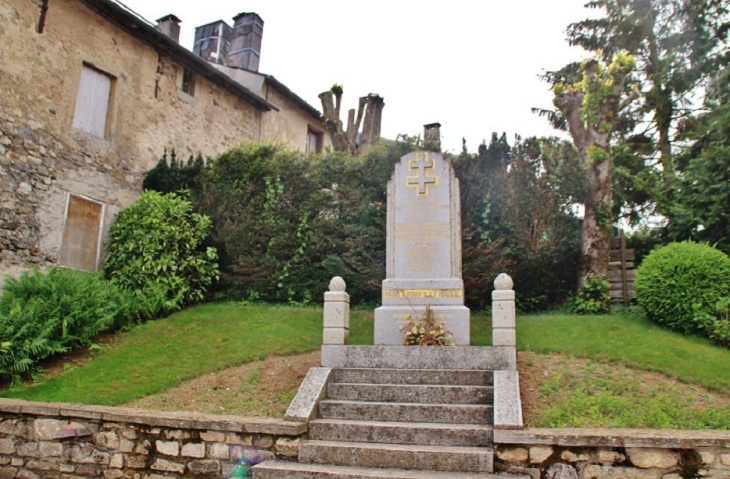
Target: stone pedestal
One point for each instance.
(389, 318)
(336, 314)
(423, 250)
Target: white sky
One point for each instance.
(470, 65)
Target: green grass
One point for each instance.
(160, 354)
(163, 353)
(631, 341)
(593, 394)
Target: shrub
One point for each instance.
(157, 245)
(175, 176)
(286, 223)
(681, 283)
(45, 314)
(593, 297)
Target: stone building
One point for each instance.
(236, 51)
(90, 96)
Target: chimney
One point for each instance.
(245, 49)
(432, 136)
(170, 26)
(212, 42)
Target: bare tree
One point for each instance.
(370, 106)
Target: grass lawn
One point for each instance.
(631, 341)
(161, 354)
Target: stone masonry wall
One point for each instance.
(613, 453)
(65, 441)
(43, 157)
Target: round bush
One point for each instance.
(681, 281)
(157, 244)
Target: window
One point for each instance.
(92, 101)
(314, 141)
(188, 82)
(82, 231)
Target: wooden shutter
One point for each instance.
(92, 101)
(81, 233)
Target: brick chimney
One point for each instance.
(432, 136)
(170, 26)
(245, 46)
(212, 42)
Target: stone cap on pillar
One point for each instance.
(337, 291)
(503, 288)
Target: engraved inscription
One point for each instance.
(421, 233)
(420, 260)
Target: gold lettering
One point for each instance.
(421, 293)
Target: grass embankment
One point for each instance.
(631, 341)
(597, 391)
(160, 354)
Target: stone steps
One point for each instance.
(293, 470)
(414, 376)
(397, 456)
(407, 412)
(429, 434)
(400, 422)
(407, 393)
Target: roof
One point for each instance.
(284, 90)
(299, 101)
(146, 32)
(169, 17)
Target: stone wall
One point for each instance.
(613, 453)
(43, 157)
(290, 124)
(65, 441)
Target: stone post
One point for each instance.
(503, 312)
(336, 313)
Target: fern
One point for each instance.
(42, 315)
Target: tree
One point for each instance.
(516, 218)
(678, 45)
(371, 106)
(590, 108)
(696, 201)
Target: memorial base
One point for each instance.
(388, 320)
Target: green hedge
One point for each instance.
(285, 222)
(680, 285)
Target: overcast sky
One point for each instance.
(470, 65)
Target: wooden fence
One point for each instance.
(621, 270)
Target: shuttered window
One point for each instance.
(92, 101)
(82, 233)
(314, 141)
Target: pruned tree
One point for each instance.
(590, 107)
(370, 106)
(678, 45)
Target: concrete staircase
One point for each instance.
(388, 422)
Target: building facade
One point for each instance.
(90, 97)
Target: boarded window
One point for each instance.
(92, 101)
(314, 141)
(82, 233)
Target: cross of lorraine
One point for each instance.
(422, 166)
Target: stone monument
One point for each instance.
(423, 258)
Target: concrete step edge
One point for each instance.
(398, 447)
(403, 425)
(342, 472)
(408, 404)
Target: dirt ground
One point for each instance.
(265, 388)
